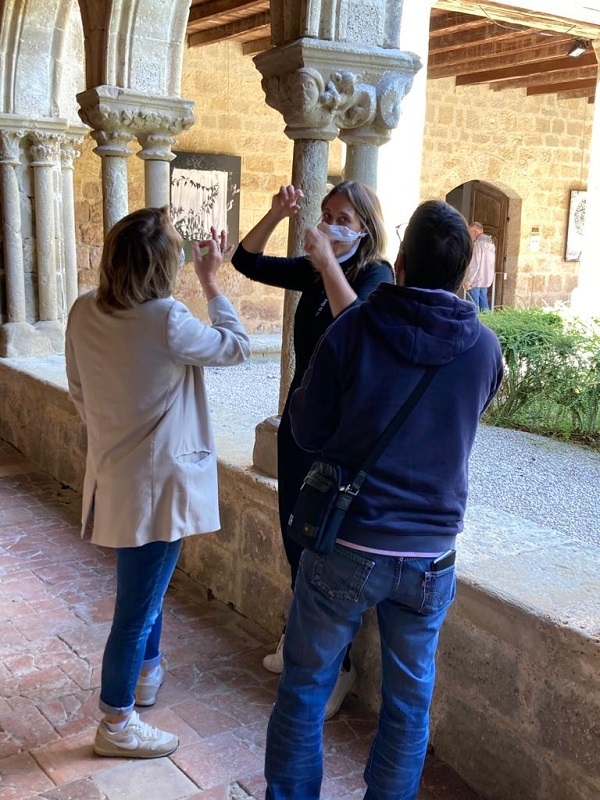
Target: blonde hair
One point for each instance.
(140, 260)
(368, 208)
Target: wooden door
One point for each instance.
(490, 207)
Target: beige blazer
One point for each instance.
(136, 378)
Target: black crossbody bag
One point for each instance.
(323, 499)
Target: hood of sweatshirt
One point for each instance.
(420, 326)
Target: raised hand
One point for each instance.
(285, 202)
(318, 248)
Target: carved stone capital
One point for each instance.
(156, 147)
(10, 146)
(69, 149)
(111, 109)
(321, 87)
(112, 143)
(44, 148)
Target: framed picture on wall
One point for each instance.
(205, 192)
(575, 225)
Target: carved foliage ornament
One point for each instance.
(306, 100)
(104, 116)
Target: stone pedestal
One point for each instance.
(264, 454)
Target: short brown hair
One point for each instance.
(140, 260)
(365, 201)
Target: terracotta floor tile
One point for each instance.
(20, 773)
(73, 758)
(84, 789)
(204, 720)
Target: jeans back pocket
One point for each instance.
(439, 589)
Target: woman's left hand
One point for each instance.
(318, 249)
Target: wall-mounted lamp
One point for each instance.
(578, 48)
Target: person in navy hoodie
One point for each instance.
(395, 550)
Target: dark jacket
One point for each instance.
(364, 368)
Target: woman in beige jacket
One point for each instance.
(134, 364)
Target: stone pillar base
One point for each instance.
(23, 340)
(264, 455)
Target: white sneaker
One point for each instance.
(344, 683)
(136, 740)
(274, 661)
(147, 687)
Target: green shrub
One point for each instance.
(552, 373)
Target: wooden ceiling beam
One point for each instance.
(256, 46)
(441, 23)
(524, 70)
(485, 35)
(521, 49)
(548, 78)
(210, 11)
(553, 88)
(232, 30)
(505, 13)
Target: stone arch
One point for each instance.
(41, 48)
(135, 45)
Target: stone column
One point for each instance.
(161, 119)
(44, 154)
(101, 108)
(319, 88)
(362, 149)
(156, 154)
(585, 299)
(11, 225)
(113, 150)
(68, 154)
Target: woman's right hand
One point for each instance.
(285, 202)
(208, 257)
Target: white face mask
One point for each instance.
(340, 233)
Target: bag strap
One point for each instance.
(392, 429)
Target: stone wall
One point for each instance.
(535, 148)
(516, 710)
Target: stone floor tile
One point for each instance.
(221, 759)
(144, 779)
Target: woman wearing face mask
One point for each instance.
(134, 358)
(344, 262)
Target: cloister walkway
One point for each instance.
(56, 596)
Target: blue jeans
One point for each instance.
(479, 296)
(143, 575)
(332, 593)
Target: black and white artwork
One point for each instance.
(575, 226)
(205, 192)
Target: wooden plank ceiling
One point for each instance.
(504, 50)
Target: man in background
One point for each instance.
(480, 272)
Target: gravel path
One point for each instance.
(549, 482)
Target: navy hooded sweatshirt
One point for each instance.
(364, 368)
